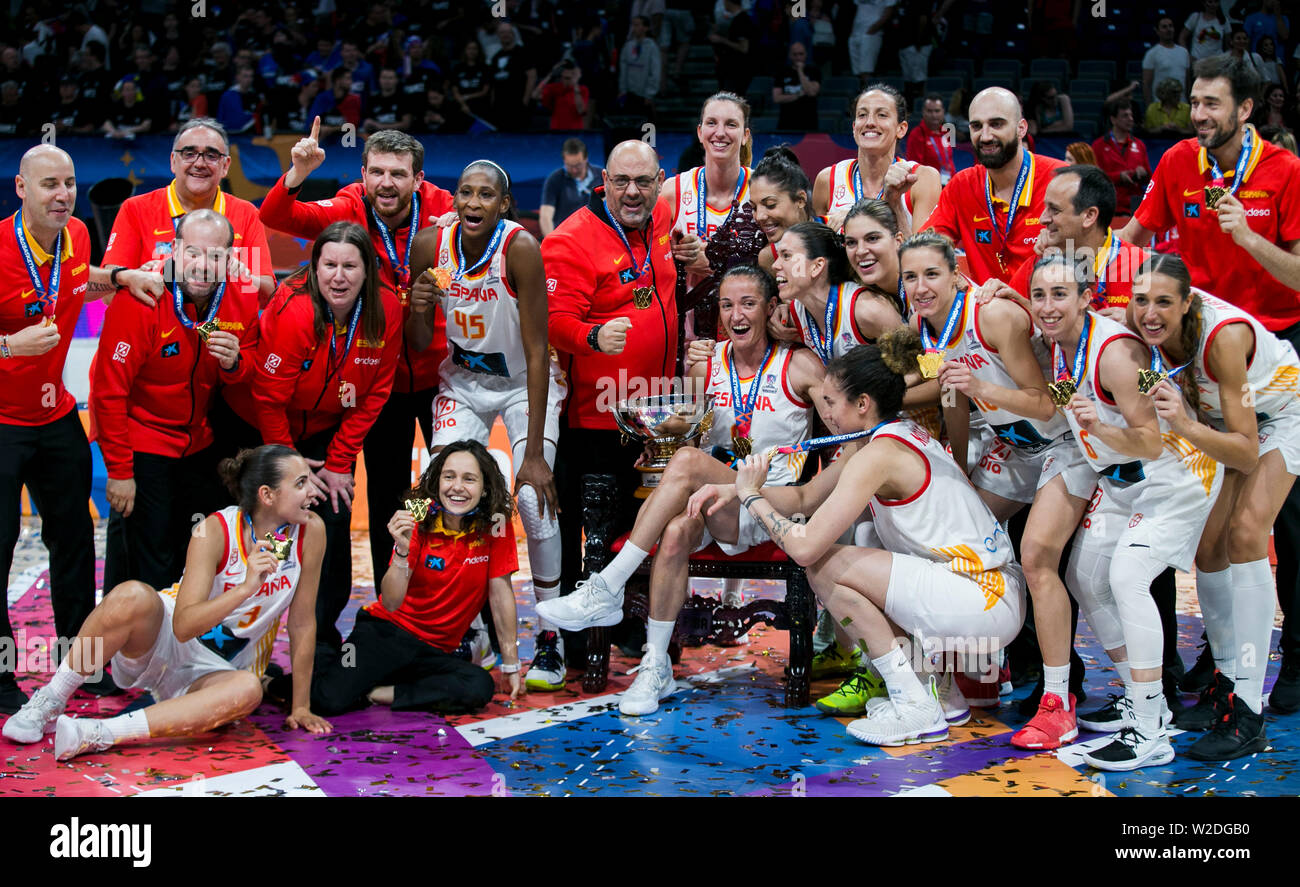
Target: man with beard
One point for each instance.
(1235, 200)
(152, 383)
(146, 224)
(393, 201)
(993, 212)
(613, 319)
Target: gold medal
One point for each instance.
(741, 445)
(206, 329)
(419, 508)
(642, 296)
(442, 278)
(1149, 379)
(403, 295)
(706, 425)
(280, 546)
(930, 363)
(1062, 391)
(343, 393)
(1213, 194)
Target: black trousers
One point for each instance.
(53, 461)
(591, 451)
(172, 496)
(1286, 539)
(379, 652)
(387, 453)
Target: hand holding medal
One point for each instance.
(419, 508)
(280, 545)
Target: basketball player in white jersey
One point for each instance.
(945, 572)
(1154, 494)
(782, 197)
(775, 383)
(485, 273)
(201, 646)
(910, 189)
(1235, 400)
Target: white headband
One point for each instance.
(505, 175)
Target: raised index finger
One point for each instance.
(315, 128)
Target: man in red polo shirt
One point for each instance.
(151, 387)
(613, 323)
(45, 276)
(1235, 200)
(928, 144)
(993, 210)
(1122, 156)
(385, 203)
(146, 223)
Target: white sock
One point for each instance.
(1056, 679)
(1253, 605)
(658, 635)
(897, 673)
(1148, 700)
(126, 728)
(64, 683)
(622, 567)
(1125, 674)
(1214, 591)
(545, 594)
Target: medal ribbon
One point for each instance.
(353, 322)
(945, 157)
(461, 271)
(1021, 178)
(178, 302)
(1158, 364)
(743, 408)
(627, 245)
(1243, 160)
(1080, 356)
(702, 202)
(248, 518)
(1109, 250)
(823, 344)
(955, 313)
(47, 299)
(818, 442)
(401, 270)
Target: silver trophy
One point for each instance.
(664, 422)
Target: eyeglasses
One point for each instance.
(644, 183)
(190, 154)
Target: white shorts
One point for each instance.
(1166, 513)
(468, 403)
(864, 49)
(1066, 460)
(749, 534)
(927, 599)
(170, 667)
(1282, 433)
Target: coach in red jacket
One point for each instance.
(153, 381)
(613, 323)
(327, 346)
(393, 202)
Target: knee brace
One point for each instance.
(1131, 573)
(1087, 576)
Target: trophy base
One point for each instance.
(651, 476)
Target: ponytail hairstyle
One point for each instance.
(503, 183)
(1189, 339)
(496, 502)
(747, 147)
(250, 470)
(878, 370)
(780, 166)
(820, 242)
(883, 214)
(765, 282)
(305, 280)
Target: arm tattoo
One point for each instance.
(777, 526)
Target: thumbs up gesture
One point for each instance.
(307, 155)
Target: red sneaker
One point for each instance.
(1050, 728)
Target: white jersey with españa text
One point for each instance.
(847, 336)
(844, 184)
(686, 212)
(945, 521)
(780, 417)
(483, 333)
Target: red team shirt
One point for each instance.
(146, 228)
(281, 210)
(1119, 273)
(1115, 158)
(449, 582)
(292, 392)
(1270, 194)
(926, 147)
(24, 397)
(152, 381)
(962, 215)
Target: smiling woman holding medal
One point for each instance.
(944, 569)
(1223, 382)
(202, 645)
(1153, 496)
(327, 347)
(485, 272)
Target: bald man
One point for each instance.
(992, 210)
(613, 322)
(45, 277)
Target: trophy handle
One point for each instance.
(627, 427)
